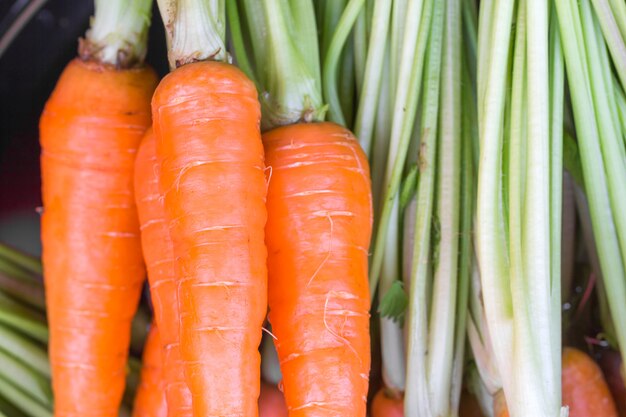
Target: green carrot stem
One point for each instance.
(360, 46)
(7, 409)
(119, 33)
(619, 11)
(23, 319)
(615, 40)
(409, 77)
(557, 97)
(239, 46)
(29, 293)
(255, 26)
(198, 32)
(29, 352)
(22, 400)
(26, 379)
(21, 259)
(332, 57)
(12, 270)
(424, 381)
(292, 92)
(373, 76)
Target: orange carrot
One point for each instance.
(612, 365)
(271, 401)
(159, 255)
(206, 122)
(585, 391)
(386, 404)
(318, 233)
(150, 398)
(90, 131)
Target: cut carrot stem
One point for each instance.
(159, 255)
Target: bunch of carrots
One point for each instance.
(342, 207)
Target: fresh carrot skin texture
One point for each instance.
(206, 121)
(585, 391)
(318, 233)
(158, 252)
(150, 400)
(271, 401)
(384, 405)
(90, 130)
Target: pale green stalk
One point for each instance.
(253, 13)
(423, 383)
(20, 259)
(383, 118)
(613, 152)
(291, 92)
(404, 111)
(447, 195)
(370, 91)
(23, 319)
(491, 244)
(361, 49)
(32, 354)
(27, 291)
(239, 45)
(302, 27)
(25, 378)
(22, 400)
(557, 97)
(465, 245)
(119, 32)
(199, 32)
(620, 98)
(615, 40)
(595, 177)
(392, 336)
(619, 11)
(331, 60)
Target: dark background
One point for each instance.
(29, 69)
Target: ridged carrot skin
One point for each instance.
(206, 121)
(90, 130)
(158, 251)
(585, 391)
(318, 233)
(385, 405)
(150, 398)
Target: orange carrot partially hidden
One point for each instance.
(271, 401)
(387, 405)
(206, 123)
(585, 391)
(150, 398)
(93, 267)
(318, 234)
(159, 255)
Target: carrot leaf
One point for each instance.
(394, 303)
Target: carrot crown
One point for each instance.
(195, 29)
(118, 34)
(285, 64)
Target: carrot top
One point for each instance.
(285, 63)
(195, 30)
(118, 34)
